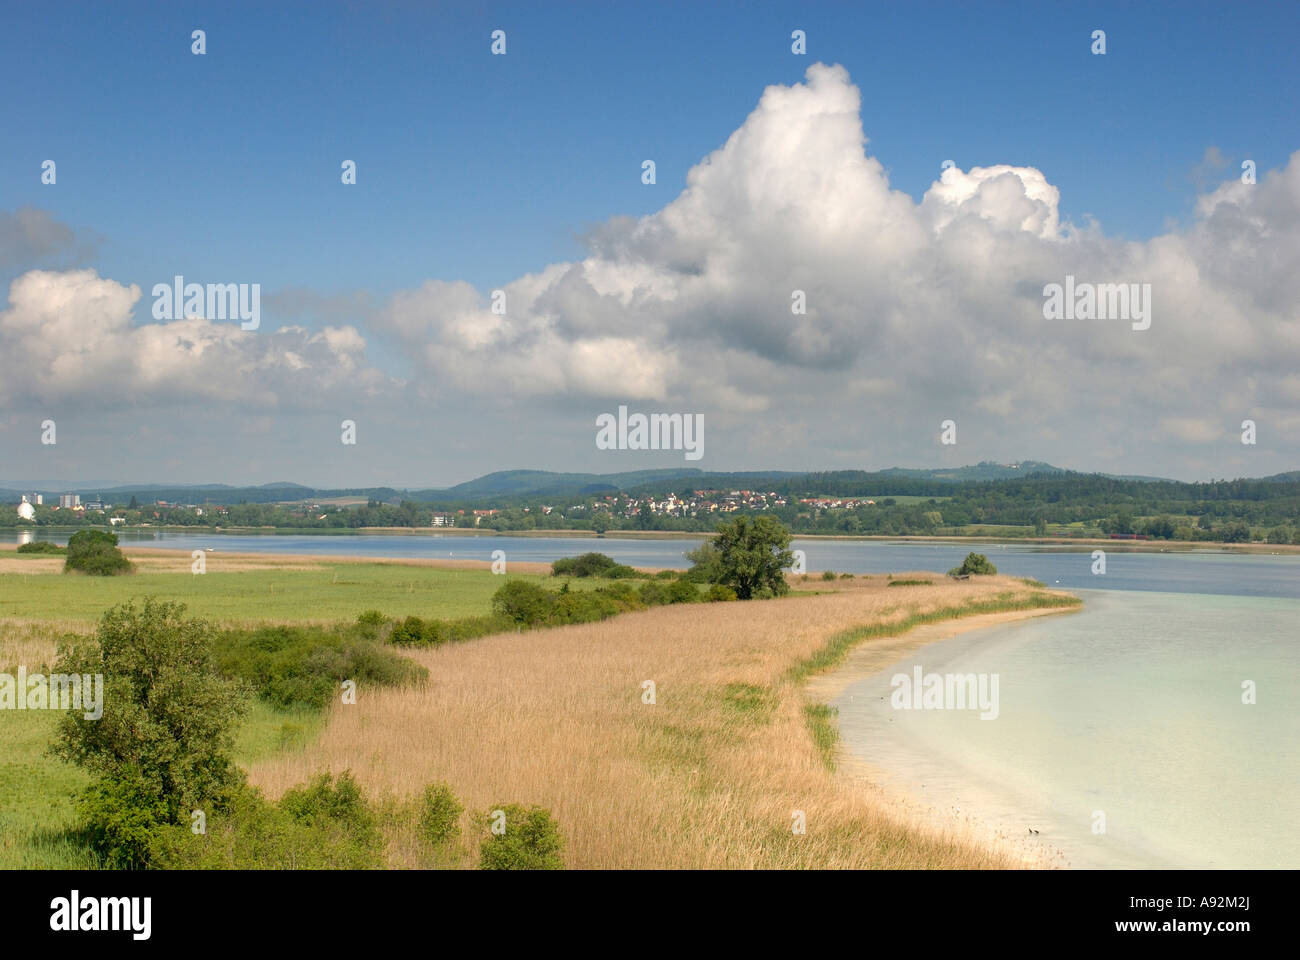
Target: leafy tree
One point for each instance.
(975, 563)
(751, 555)
(1235, 532)
(1121, 522)
(525, 603)
(1161, 527)
(161, 747)
(706, 564)
(95, 552)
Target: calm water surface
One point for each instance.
(1068, 568)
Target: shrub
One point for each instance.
(667, 575)
(719, 593)
(624, 596)
(42, 546)
(409, 633)
(975, 563)
(439, 814)
(323, 801)
(846, 576)
(95, 552)
(528, 840)
(653, 594)
(586, 565)
(370, 623)
(523, 603)
(683, 591)
(414, 632)
(585, 606)
(828, 575)
(305, 665)
(121, 820)
(706, 564)
(315, 827)
(168, 717)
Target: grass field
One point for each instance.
(315, 594)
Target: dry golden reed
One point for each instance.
(709, 776)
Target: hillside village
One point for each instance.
(695, 504)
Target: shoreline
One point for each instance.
(1081, 544)
(874, 657)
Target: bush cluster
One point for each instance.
(325, 824)
(526, 605)
(290, 665)
(520, 838)
(42, 546)
(591, 565)
(95, 552)
(974, 563)
(418, 632)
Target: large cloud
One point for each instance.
(938, 304)
(68, 336)
(917, 311)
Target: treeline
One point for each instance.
(1045, 503)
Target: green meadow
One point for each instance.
(37, 810)
(327, 593)
(36, 790)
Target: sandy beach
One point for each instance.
(876, 656)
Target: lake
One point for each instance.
(1070, 568)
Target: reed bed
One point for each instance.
(715, 773)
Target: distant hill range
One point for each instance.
(200, 493)
(545, 483)
(505, 485)
(988, 470)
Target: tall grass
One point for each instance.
(709, 774)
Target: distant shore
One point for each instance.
(1081, 543)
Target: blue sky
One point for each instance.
(478, 169)
(482, 168)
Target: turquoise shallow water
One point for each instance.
(1132, 707)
